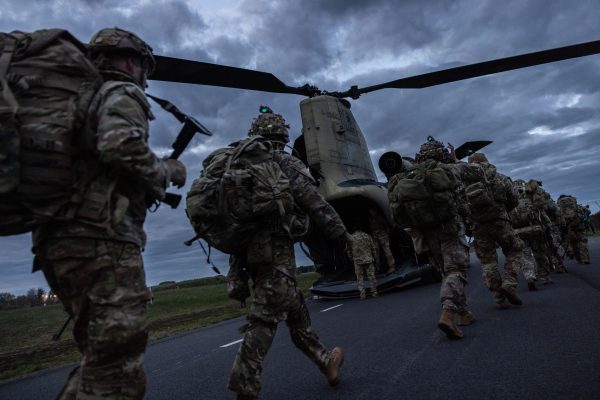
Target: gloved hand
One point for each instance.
(177, 171)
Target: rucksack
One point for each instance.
(568, 209)
(423, 195)
(523, 214)
(46, 86)
(490, 194)
(241, 191)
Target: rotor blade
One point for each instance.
(468, 148)
(171, 69)
(485, 68)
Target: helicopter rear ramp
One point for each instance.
(406, 275)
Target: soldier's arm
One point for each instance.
(122, 138)
(321, 213)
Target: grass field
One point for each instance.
(26, 333)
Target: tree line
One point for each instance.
(33, 298)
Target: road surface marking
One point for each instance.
(331, 308)
(232, 343)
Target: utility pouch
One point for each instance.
(259, 249)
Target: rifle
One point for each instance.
(58, 334)
(190, 127)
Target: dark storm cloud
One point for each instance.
(338, 43)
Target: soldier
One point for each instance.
(585, 215)
(491, 196)
(530, 223)
(573, 215)
(380, 232)
(542, 201)
(270, 262)
(441, 225)
(362, 252)
(93, 262)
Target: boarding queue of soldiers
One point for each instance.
(92, 260)
(428, 199)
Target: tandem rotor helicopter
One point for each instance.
(335, 150)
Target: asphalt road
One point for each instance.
(547, 349)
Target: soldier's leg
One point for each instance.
(384, 244)
(528, 265)
(485, 249)
(583, 249)
(370, 269)
(106, 283)
(455, 264)
(540, 252)
(245, 377)
(303, 336)
(360, 279)
(512, 247)
(274, 293)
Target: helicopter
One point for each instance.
(334, 149)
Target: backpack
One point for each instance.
(240, 192)
(490, 194)
(423, 195)
(568, 209)
(523, 214)
(46, 86)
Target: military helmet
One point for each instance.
(115, 39)
(269, 125)
(477, 158)
(433, 150)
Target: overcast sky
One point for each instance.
(544, 120)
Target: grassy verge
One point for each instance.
(26, 333)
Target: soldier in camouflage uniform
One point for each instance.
(93, 262)
(531, 223)
(270, 262)
(448, 250)
(492, 227)
(542, 201)
(362, 252)
(380, 233)
(573, 226)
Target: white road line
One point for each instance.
(331, 308)
(232, 343)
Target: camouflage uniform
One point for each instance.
(381, 238)
(270, 262)
(543, 202)
(448, 250)
(494, 228)
(362, 251)
(93, 262)
(449, 254)
(574, 228)
(530, 223)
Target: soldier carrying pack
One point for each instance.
(241, 190)
(490, 194)
(46, 86)
(423, 195)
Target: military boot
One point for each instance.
(391, 270)
(332, 369)
(447, 323)
(363, 294)
(501, 302)
(375, 293)
(531, 286)
(511, 296)
(466, 318)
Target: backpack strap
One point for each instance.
(5, 59)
